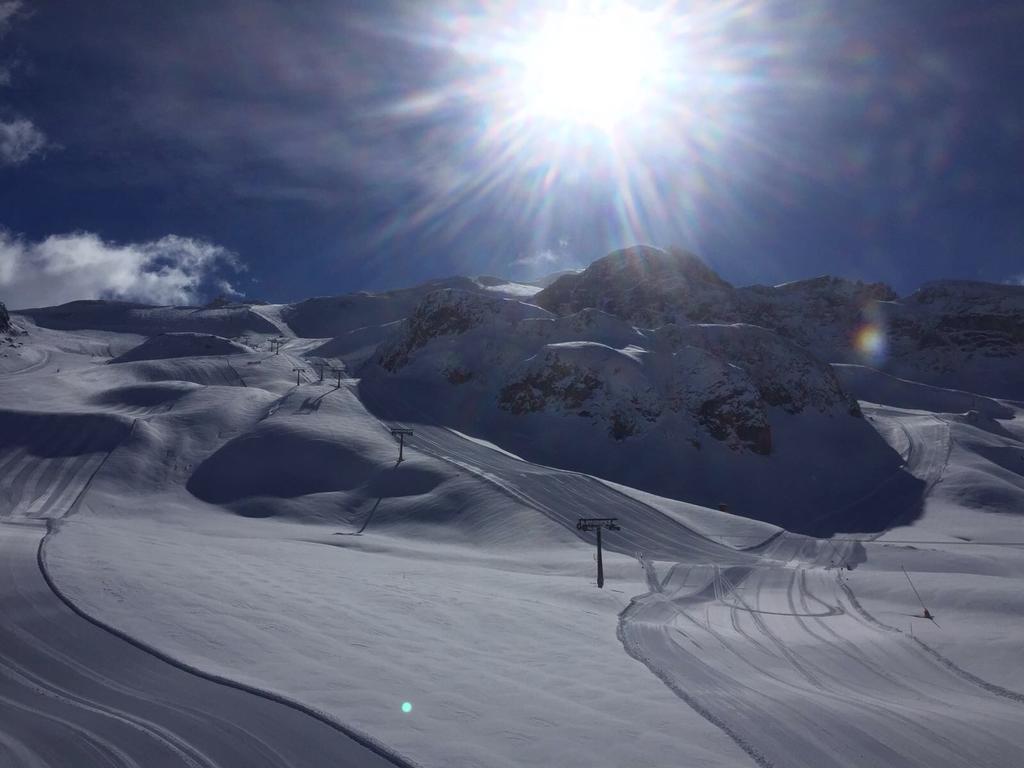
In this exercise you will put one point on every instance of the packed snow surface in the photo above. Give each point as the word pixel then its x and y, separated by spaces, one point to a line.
pixel 251 521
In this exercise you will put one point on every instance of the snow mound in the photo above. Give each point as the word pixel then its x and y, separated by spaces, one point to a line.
pixel 61 434
pixel 283 460
pixel 143 396
pixel 171 345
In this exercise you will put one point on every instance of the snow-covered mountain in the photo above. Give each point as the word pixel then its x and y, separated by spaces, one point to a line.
pixel 187 477
pixel 949 333
pixel 678 410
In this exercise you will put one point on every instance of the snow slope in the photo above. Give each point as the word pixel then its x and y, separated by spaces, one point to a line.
pixel 74 694
pixel 262 530
pixel 678 411
pixel 352 325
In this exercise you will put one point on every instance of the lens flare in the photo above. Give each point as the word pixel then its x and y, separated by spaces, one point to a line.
pixel 593 67
pixel 407 707
pixel 871 343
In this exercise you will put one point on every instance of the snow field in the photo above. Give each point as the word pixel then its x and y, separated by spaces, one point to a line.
pixel 285 548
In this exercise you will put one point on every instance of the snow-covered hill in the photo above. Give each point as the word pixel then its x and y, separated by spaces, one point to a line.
pixel 356 323
pixel 680 410
pixel 230 321
pixel 170 345
pixel 242 517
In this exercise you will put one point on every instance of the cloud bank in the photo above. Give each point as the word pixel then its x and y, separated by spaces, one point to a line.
pixel 61 268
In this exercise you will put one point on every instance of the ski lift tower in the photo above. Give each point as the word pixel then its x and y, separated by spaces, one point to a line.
pixel 401 434
pixel 596 524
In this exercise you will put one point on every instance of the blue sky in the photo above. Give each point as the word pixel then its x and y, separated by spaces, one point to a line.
pixel 283 150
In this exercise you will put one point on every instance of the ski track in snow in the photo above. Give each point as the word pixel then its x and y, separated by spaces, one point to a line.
pixel 73 693
pixel 833 685
pixel 765 643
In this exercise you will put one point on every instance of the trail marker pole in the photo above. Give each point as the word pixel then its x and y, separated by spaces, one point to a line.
pixel 298 373
pixel 401 433
pixel 597 524
pixel 927 613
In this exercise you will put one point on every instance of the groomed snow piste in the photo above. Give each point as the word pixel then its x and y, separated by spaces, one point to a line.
pixel 251 522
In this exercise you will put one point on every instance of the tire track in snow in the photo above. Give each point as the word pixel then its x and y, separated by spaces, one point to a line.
pixel 783 718
pixel 75 692
pixel 944 661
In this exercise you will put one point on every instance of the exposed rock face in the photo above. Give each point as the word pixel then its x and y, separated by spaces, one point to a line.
pixel 449 312
pixel 5 319
pixel 785 375
pixel 645 285
pixel 950 333
pixel 701 382
pixel 959 334
pixel 821 314
pixel 334 316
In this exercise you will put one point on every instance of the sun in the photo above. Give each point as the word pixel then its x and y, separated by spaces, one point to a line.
pixel 595 68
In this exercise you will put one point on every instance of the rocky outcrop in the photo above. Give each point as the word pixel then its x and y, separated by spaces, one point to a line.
pixel 951 333
pixel 645 285
pixel 448 312
pixel 822 314
pixel 702 382
pixel 705 412
pixel 5 319
pixel 786 375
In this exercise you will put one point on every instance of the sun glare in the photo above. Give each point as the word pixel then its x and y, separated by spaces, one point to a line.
pixel 595 68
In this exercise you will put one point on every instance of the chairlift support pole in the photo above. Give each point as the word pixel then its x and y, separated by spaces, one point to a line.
pixel 298 373
pixel 598 524
pixel 400 433
pixel 338 372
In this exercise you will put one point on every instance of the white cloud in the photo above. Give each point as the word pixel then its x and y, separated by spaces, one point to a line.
pixel 538 259
pixel 541 263
pixel 19 140
pixel 61 268
pixel 8 10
